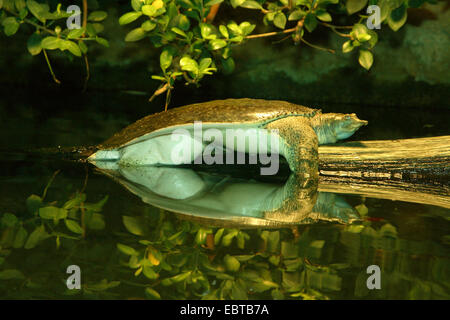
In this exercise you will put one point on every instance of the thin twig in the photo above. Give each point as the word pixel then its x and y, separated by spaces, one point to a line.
pixel 88 72
pixel 333 28
pixel 85 179
pixel 317 47
pixel 336 27
pixel 270 34
pixel 212 13
pixel 167 98
pixel 49 183
pixel 163 88
pixel 86 61
pixel 31 22
pixel 50 67
pixel 85 10
pixel 83 223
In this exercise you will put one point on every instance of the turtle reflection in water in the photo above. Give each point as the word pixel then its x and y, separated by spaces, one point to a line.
pixel 220 200
pixel 298 129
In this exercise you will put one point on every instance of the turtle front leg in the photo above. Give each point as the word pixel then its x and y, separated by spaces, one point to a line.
pixel 298 143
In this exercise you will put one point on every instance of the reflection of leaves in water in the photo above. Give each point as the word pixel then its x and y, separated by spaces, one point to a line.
pixel 162 256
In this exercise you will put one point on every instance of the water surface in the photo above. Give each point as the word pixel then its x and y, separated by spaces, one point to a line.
pixel 130 249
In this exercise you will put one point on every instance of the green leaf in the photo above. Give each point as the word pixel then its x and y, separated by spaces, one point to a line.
pixel 149 10
pixel 127 250
pixel 90 29
pixel 9 220
pixel 96 222
pixel 179 32
pixel 224 31
pixel 34 44
pixel 79 197
pixel 228 238
pixel 156 77
pixel 37 235
pixel 135 35
pixel 37 9
pixel 51 212
pixel 234 28
pixel 75 34
pixel 133 225
pixel 365 58
pixel 272 240
pixel 149 273
pixel 355 5
pixel 263 285
pixel 165 60
pixel 11 274
pixel 363 37
pixel 102 285
pixel 231 263
pixel 373 39
pixel 23 13
pixel 137 5
pixel 228 67
pixel 297 15
pixel 10 25
pixel 359 31
pixel 280 20
pixel 20 238
pixel 246 27
pixel 207 31
pixel 129 17
pixel 347 46
pixel 250 4
pixel 97 16
pixel 217 44
pixel 236 3
pixel 183 22
pixel 323 16
pixel 98 206
pixel 397 18
pixel 148 25
pixel 218 236
pixel 188 64
pixel 102 41
pixel 33 202
pixel 310 22
pixel 200 237
pixel 210 3
pixel 83 47
pixel 73 226
pixel 289 250
pixel 238 292
pixel 51 43
pixel 152 293
pixel 72 47
pixel 181 277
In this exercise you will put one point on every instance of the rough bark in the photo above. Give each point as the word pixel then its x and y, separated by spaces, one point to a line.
pixel 414 170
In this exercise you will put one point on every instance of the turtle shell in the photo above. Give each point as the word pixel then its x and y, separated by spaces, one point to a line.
pixel 229 111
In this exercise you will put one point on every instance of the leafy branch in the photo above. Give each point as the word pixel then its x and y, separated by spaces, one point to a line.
pixel 192 43
pixel 51 29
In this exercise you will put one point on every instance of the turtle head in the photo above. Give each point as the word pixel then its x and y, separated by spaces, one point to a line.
pixel 337 126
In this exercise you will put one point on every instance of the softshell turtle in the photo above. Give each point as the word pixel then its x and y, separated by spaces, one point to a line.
pixel 290 130
pixel 223 200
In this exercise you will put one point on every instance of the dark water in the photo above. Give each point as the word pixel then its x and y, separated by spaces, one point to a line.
pixel 128 249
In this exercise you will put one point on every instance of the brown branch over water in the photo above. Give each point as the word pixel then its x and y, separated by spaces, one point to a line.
pixel 414 170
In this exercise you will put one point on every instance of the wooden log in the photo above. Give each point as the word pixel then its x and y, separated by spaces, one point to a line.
pixel 414 170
